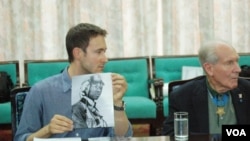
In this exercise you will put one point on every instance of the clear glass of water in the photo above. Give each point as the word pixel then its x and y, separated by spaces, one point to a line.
pixel 181 126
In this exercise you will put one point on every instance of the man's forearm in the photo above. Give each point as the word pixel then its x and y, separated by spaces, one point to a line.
pixel 121 123
pixel 42 133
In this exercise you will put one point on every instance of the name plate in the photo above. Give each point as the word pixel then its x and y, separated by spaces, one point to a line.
pixel 237 132
pixel 58 139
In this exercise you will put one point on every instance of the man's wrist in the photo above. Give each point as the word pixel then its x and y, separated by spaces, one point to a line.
pixel 120 108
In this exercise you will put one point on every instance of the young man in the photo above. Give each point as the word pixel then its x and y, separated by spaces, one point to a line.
pixel 47 110
pixel 220 97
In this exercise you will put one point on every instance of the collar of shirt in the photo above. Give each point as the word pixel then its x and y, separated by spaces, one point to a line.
pixel 66 80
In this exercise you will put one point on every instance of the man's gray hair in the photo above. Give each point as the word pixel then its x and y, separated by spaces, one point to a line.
pixel 207 51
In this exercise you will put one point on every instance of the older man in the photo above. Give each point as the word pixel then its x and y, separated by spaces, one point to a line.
pixel 220 97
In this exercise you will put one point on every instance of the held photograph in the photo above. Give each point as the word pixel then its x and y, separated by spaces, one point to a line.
pixel 92 101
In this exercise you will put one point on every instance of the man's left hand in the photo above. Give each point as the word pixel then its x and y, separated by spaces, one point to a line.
pixel 119 88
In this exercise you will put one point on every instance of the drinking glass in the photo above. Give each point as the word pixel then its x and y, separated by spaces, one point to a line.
pixel 181 126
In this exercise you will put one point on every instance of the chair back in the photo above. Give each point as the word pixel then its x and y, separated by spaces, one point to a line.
pixel 135 71
pixel 12 68
pixel 169 68
pixel 36 70
pixel 244 59
pixel 173 85
pixel 17 98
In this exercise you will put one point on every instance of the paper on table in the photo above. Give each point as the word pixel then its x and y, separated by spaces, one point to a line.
pixel 110 139
pixel 58 139
pixel 100 139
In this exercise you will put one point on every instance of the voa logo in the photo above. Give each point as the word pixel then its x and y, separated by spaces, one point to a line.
pixel 236 132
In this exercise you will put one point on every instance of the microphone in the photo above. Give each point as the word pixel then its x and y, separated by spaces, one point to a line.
pixel 240 97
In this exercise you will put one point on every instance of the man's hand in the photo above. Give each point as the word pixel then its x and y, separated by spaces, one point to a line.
pixel 60 124
pixel 119 88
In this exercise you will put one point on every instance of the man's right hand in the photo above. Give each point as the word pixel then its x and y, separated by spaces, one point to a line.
pixel 60 124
